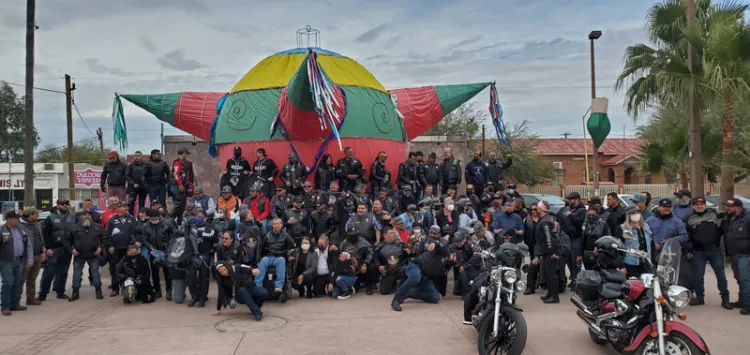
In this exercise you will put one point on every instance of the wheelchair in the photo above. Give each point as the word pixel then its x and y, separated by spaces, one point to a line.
pixel 270 286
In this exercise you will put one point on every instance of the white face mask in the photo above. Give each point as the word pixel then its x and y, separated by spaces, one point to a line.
pixel 451 207
pixel 417 231
pixel 635 217
pixel 305 247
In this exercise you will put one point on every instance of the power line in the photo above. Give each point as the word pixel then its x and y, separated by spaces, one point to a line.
pixel 34 87
pixel 81 117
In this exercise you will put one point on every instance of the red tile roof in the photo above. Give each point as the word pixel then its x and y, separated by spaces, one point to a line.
pixel 612 146
pixel 617 159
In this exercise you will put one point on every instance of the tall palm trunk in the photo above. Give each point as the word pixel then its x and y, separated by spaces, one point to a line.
pixel 727 127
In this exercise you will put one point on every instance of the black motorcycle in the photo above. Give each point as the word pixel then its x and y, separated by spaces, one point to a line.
pixel 499 321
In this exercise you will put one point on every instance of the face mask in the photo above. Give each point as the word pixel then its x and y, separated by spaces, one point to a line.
pixel 592 217
pixel 87 223
pixel 417 231
pixel 469 192
pixel 220 217
pixel 510 191
pixel 353 238
pixel 132 257
pixel 407 193
pixel 321 247
pixel 305 247
pixel 684 201
pixel 144 219
pixel 200 220
pixel 636 217
pixel 154 222
pixel 451 208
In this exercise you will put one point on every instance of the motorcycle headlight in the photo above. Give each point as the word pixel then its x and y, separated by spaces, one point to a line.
pixel 510 276
pixel 521 285
pixel 496 275
pixel 679 296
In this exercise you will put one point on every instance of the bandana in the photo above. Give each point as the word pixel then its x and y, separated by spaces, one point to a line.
pixel 542 207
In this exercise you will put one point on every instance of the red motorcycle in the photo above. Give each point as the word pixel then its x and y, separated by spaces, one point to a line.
pixel 637 316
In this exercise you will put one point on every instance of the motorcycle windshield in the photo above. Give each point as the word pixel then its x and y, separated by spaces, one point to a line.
pixel 668 268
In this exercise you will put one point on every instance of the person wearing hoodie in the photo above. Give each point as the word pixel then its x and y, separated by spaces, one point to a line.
pixel 236 174
pixel 549 246
pixel 636 234
pixel 86 242
pixel 704 228
pixel 422 271
pixel 236 282
pixel 55 229
pixel 135 176
pixel 155 236
pixel 380 177
pixel 113 178
pixel 390 259
pixel 325 174
pixel 119 233
pixel 156 176
pixel 30 221
pixel 665 225
pixel 496 168
pixel 684 207
pixel 477 173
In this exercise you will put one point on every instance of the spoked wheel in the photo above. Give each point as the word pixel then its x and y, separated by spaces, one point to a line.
pixel 675 344
pixel 511 339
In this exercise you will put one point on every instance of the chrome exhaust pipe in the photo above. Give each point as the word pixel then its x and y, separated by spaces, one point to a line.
pixel 578 303
pixel 591 323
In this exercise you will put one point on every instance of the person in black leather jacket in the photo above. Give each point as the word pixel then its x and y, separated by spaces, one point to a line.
pixel 325 174
pixel 380 177
pixel 249 235
pixel 422 272
pixel 156 235
pixel 349 170
pixel 450 171
pixel 704 233
pixel 322 220
pixel 273 250
pixel 293 175
pixel 113 178
pixel 298 220
pixel 572 220
pixel 203 238
pixel 86 242
pixel 156 176
pixel 135 266
pixel 236 282
pixel 229 249
pixel 390 259
pixel 361 252
pixel 55 229
pixel 408 173
pixel 302 259
pixel 136 182
pixel 548 243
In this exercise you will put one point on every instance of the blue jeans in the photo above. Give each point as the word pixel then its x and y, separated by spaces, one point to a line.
pixel 55 269
pixel 741 270
pixel 417 286
pixel 178 287
pixel 159 193
pixel 78 264
pixel 716 259
pixel 342 284
pixel 279 263
pixel 11 273
pixel 253 297
pixel 575 250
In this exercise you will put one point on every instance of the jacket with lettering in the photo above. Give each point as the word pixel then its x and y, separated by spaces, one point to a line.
pixel 390 255
pixel 477 172
pixel 121 231
pixel 349 166
pixel 295 174
pixel 547 238
pixel 249 235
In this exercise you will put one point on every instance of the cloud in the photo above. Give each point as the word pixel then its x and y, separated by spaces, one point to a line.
pixel 95 66
pixel 371 34
pixel 538 57
pixel 176 60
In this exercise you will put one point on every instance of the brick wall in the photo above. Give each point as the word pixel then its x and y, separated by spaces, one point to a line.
pixel 207 169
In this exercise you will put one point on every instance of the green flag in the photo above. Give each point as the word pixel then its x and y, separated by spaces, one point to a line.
pixel 598 123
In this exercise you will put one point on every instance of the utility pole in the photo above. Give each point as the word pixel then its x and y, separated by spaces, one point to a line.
pixel 69 113
pixel 28 127
pixel 594 35
pixel 694 119
pixel 100 136
pixel 484 150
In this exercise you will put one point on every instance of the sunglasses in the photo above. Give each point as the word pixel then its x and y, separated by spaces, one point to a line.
pixel 112 158
pixel 227 238
pixel 534 209
pixel 308 186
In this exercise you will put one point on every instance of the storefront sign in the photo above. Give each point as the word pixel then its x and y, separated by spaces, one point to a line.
pixel 15 182
pixel 87 178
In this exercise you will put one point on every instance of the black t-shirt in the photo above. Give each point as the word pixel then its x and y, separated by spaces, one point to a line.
pixel 301 263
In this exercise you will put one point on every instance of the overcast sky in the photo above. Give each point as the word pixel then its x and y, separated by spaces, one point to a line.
pixel 536 50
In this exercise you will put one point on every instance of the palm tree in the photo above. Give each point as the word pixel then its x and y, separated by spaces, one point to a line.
pixel 725 55
pixel 661 73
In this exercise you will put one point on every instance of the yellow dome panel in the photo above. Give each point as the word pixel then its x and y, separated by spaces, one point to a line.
pixel 276 71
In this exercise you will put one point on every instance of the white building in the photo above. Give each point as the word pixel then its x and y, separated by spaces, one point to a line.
pixel 50 183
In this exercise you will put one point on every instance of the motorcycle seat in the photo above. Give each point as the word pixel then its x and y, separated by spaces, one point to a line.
pixel 610 290
pixel 613 276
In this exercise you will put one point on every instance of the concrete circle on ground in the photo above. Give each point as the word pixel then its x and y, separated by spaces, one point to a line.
pixel 249 324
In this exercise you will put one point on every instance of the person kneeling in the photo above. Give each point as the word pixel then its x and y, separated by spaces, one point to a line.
pixel 343 279
pixel 236 285
pixel 420 273
pixel 135 274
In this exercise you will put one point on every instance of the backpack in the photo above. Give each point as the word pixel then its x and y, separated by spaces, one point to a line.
pixel 176 251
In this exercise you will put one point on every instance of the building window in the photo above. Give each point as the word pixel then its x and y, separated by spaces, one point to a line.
pixel 611 175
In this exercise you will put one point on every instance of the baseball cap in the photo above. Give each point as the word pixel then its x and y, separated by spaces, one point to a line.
pixel 733 202
pixel 82 212
pixel 352 230
pixel 299 199
pixel 29 211
pixel 122 203
pixel 112 153
pixel 509 203
pixel 573 195
pixel 11 215
pixel 412 208
pixel 183 150
pixel 684 193
pixel 665 202
pixel 699 200
pixel 153 202
pixel 638 198
pixel 237 148
pixel 155 151
pixel 226 189
pixel 63 201
pixel 397 220
pixel 434 229
pixel 198 190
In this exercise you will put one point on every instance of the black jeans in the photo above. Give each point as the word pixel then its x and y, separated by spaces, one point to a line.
pixel 139 193
pixel 114 259
pixel 389 282
pixel 369 279
pixel 549 268
pixel 157 280
pixel 198 280
pixel 462 286
pixel 158 192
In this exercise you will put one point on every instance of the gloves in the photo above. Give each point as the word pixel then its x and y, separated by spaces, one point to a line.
pixel 103 188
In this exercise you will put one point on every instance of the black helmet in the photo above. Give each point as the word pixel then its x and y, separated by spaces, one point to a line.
pixel 510 255
pixel 609 256
pixel 257 186
pixel 460 236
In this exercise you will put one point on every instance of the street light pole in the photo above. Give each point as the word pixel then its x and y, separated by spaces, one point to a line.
pixel 694 120
pixel 594 35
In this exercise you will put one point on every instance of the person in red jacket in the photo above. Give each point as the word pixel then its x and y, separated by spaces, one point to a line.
pixel 111 211
pixel 260 206
pixel 184 182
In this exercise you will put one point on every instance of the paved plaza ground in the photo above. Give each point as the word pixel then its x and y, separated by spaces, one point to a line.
pixel 361 325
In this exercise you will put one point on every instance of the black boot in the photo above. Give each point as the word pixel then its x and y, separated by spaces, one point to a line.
pixel 697 301
pixel 157 294
pixel 308 292
pixel 551 300
pixel 725 303
pixel 74 296
pixel 99 294
pixel 529 292
pixel 114 293
pixel 396 305
pixel 168 296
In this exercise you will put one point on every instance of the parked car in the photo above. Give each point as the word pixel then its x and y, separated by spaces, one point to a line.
pixel 555 202
pixel 655 202
pixel 714 200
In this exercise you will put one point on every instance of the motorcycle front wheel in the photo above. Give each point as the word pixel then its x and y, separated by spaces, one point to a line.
pixel 675 344
pixel 512 337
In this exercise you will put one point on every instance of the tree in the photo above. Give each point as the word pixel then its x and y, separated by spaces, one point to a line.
pixel 528 167
pixel 83 152
pixel 12 114
pixel 463 121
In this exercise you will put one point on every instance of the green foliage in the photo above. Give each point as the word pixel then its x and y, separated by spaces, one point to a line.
pixel 84 152
pixel 528 167
pixel 465 121
pixel 12 114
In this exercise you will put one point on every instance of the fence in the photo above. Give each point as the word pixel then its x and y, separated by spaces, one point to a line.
pixel 656 190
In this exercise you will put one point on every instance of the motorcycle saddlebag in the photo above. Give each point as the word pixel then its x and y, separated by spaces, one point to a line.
pixel 587 285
